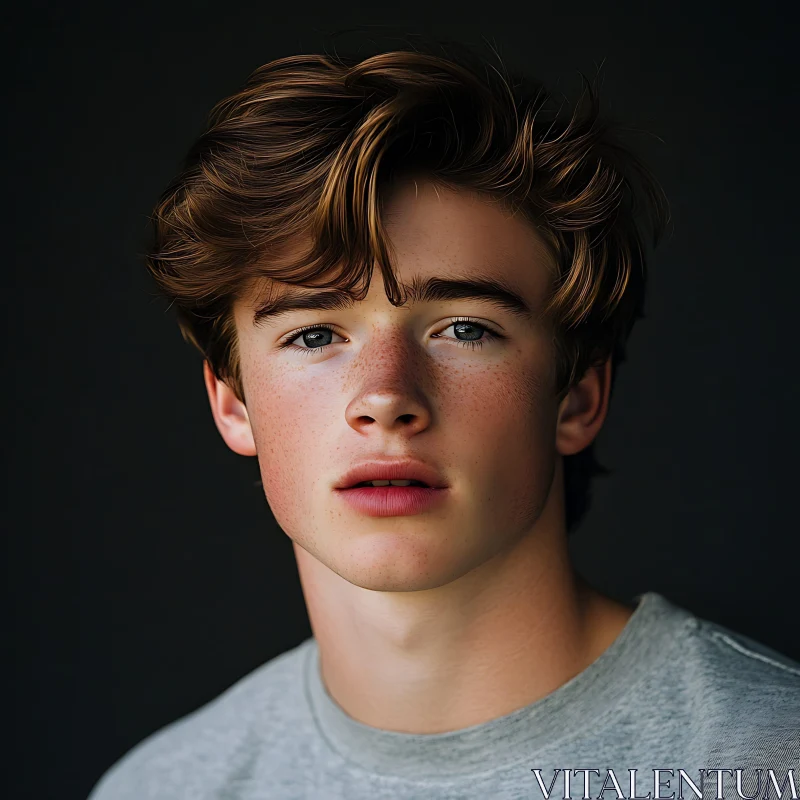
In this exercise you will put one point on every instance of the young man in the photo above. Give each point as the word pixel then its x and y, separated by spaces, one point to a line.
pixel 412 280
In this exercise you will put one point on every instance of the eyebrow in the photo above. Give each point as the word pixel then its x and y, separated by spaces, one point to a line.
pixel 428 290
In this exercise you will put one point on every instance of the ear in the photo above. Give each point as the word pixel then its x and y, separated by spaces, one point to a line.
pixel 583 411
pixel 230 414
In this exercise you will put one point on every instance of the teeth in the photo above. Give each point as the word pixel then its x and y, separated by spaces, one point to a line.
pixel 392 483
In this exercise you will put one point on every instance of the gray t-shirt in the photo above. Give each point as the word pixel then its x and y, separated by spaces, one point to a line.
pixel 672 692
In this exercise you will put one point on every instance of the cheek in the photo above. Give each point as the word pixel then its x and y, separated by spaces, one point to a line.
pixel 289 422
pixel 502 410
pixel 502 422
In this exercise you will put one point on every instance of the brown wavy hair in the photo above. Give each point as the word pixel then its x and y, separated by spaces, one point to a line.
pixel 308 147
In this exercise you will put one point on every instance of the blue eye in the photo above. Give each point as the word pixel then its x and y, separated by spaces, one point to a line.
pixel 317 338
pixel 469 333
pixel 314 337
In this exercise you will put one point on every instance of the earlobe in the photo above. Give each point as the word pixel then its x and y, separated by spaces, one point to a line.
pixel 230 414
pixel 583 411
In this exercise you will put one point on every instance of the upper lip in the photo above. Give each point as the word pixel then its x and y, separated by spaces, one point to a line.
pixel 395 469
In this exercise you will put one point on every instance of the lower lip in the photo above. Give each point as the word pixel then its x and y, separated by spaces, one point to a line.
pixel 392 501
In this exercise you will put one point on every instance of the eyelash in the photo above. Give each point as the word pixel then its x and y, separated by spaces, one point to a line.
pixel 491 335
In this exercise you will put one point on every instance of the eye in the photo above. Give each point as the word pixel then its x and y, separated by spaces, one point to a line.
pixel 469 332
pixel 311 337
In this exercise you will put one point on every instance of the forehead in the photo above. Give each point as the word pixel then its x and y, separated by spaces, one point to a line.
pixel 440 229
pixel 441 232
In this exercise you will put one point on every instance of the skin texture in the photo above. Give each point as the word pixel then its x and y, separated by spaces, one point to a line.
pixel 446 619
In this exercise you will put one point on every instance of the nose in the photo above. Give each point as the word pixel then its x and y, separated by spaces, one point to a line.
pixel 392 409
pixel 390 399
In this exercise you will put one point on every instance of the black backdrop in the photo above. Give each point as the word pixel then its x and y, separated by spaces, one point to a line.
pixel 146 572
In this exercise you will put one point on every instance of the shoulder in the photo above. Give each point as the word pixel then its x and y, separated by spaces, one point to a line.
pixel 734 663
pixel 744 696
pixel 189 756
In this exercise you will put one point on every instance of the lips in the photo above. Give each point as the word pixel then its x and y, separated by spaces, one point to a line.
pixel 391 470
pixel 393 501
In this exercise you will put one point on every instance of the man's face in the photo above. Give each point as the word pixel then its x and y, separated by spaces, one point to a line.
pixel 411 382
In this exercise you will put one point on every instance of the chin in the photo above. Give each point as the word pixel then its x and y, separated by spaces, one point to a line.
pixel 402 563
pixel 396 582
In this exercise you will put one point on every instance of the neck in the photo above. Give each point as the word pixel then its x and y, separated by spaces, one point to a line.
pixel 496 639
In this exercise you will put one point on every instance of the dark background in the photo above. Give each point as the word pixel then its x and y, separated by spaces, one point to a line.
pixel 146 572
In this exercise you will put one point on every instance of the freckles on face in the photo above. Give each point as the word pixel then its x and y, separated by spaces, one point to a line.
pixel 500 419
pixel 505 412
pixel 290 417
